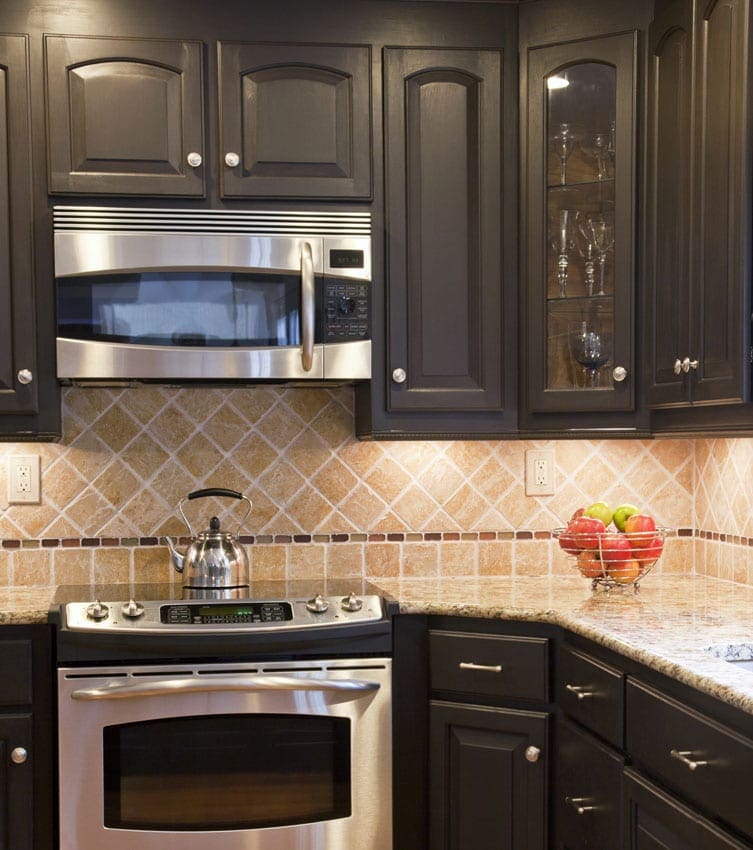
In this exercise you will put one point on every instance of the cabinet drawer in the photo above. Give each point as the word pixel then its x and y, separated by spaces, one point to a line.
pixel 489 665
pixel 15 672
pixel 593 693
pixel 589 790
pixel 707 763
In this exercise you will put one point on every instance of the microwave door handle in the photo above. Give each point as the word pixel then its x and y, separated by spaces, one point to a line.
pixel 171 687
pixel 308 307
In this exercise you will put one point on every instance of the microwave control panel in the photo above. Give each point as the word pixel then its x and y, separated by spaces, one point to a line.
pixel 346 311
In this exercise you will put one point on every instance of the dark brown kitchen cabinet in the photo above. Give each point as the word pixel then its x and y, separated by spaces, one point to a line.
pixel 449 203
pixel 295 120
pixel 26 807
pixel 698 210
pixel 488 778
pixel 18 331
pixel 657 821
pixel 580 225
pixel 125 116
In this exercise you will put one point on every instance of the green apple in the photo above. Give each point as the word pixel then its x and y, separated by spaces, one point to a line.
pixel 621 513
pixel 599 510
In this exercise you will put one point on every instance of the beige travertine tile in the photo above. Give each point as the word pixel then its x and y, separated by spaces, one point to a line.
pixel 268 563
pixel 420 560
pixel 531 558
pixel 33 568
pixel 388 479
pixel 308 510
pixel 458 559
pixel 495 558
pixel 72 566
pixel 306 561
pixel 200 457
pixel 115 428
pixel 111 564
pixel 382 559
pixel 173 426
pixel 344 560
pixel 414 508
pixel 152 564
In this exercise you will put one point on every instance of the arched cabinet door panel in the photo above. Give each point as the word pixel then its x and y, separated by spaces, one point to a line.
pixel 124 116
pixel 295 120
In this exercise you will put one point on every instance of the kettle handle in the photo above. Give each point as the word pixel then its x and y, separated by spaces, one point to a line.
pixel 215 491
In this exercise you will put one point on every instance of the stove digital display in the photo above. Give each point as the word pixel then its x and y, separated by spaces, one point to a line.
pixel 223 613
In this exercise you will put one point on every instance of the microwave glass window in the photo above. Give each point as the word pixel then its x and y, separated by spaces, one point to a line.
pixel 204 309
pixel 220 772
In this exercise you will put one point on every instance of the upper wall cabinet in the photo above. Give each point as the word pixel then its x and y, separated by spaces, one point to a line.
pixel 447 346
pixel 295 120
pixel 698 249
pixel 579 290
pixel 18 373
pixel 124 116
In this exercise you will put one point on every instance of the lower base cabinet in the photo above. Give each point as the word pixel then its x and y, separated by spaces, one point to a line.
pixel 16 782
pixel 488 769
pixel 656 821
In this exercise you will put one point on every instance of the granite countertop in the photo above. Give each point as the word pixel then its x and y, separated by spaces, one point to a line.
pixel 668 625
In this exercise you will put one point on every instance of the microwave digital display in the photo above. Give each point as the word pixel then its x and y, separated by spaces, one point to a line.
pixel 345 259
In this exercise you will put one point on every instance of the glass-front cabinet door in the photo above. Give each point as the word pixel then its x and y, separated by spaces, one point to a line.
pixel 579 282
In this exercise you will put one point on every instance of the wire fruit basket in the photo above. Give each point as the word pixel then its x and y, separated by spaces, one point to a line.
pixel 613 559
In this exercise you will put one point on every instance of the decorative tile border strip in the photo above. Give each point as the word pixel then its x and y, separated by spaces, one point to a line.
pixel 350 537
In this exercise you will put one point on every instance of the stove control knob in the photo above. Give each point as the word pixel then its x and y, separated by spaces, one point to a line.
pixel 317 605
pixel 132 609
pixel 97 611
pixel 352 603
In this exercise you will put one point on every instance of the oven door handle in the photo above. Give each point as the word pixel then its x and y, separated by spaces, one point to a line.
pixel 170 687
pixel 308 308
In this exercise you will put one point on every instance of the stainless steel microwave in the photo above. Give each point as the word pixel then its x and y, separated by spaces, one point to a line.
pixel 186 295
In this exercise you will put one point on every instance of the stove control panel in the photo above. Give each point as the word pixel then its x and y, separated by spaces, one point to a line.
pixel 221 615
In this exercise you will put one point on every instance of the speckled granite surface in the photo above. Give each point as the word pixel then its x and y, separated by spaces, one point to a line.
pixel 669 625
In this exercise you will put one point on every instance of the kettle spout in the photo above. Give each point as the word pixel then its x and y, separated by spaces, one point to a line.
pixel 175 555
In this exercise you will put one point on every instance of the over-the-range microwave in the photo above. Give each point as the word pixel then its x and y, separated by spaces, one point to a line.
pixel 184 295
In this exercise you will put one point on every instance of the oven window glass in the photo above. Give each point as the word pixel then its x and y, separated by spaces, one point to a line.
pixel 237 771
pixel 182 308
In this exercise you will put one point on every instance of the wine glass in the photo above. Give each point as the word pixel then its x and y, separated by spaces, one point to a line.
pixel 585 247
pixel 597 144
pixel 562 143
pixel 601 226
pixel 562 243
pixel 591 350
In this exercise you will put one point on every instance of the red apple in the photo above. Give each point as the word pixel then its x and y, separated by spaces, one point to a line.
pixel 577 513
pixel 567 542
pixel 625 572
pixel 648 552
pixel 589 564
pixel 586 531
pixel 639 528
pixel 615 548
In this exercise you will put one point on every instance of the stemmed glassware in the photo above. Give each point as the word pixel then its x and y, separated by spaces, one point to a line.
pixel 597 145
pixel 584 244
pixel 562 244
pixel 563 142
pixel 591 350
pixel 601 226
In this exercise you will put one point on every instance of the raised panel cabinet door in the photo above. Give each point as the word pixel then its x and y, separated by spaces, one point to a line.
pixel 295 120
pixel 18 387
pixel 669 201
pixel 124 116
pixel 16 783
pixel 488 769
pixel 444 197
pixel 656 821
pixel 721 244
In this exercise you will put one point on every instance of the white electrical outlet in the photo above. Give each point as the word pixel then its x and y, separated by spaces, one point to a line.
pixel 23 480
pixel 540 472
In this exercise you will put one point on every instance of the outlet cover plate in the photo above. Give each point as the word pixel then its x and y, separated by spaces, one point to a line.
pixel 540 472
pixel 23 480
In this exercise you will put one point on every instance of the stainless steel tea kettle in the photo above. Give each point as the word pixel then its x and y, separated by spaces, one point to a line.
pixel 214 558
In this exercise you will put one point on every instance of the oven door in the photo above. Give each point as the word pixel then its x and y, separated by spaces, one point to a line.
pixel 280 756
pixel 188 306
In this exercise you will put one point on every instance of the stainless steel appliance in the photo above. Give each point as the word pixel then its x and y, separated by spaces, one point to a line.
pixel 242 725
pixel 212 295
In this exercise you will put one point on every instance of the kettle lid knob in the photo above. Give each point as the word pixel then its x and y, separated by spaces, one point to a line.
pixel 214 523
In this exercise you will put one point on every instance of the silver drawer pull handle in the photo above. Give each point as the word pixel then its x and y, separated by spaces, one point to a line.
pixel 578 691
pixel 682 755
pixel 487 668
pixel 577 804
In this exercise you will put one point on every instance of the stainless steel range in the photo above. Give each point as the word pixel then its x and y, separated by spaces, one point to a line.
pixel 243 724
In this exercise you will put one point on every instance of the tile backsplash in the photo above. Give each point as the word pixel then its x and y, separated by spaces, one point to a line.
pixel 328 505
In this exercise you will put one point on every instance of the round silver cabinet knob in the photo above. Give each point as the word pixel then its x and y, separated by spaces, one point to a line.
pixel 351 603
pixel 18 755
pixel 532 754
pixel 25 376
pixel 194 159
pixel 97 611
pixel 619 373
pixel 132 609
pixel 678 366
pixel 691 364
pixel 317 605
pixel 232 159
pixel 399 376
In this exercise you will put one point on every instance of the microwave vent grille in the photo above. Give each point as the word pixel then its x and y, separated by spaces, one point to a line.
pixel 269 222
